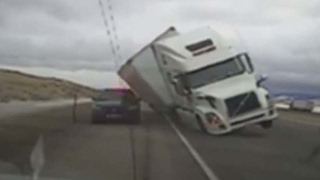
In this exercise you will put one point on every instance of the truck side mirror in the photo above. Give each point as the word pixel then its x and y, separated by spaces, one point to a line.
pixel 261 79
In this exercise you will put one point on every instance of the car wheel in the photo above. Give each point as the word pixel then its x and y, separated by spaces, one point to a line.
pixel 266 124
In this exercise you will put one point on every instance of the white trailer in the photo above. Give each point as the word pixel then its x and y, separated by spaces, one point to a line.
pixel 199 76
pixel 143 74
pixel 302 105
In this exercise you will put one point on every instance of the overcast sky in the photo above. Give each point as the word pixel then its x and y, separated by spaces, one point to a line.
pixel 67 38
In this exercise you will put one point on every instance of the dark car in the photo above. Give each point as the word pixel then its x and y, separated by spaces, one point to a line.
pixel 116 105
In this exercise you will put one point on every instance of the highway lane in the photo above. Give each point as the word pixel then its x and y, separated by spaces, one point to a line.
pixel 86 151
pixel 301 117
pixel 19 133
pixel 15 108
pixel 289 150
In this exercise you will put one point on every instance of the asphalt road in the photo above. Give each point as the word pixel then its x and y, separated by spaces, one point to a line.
pixel 289 150
pixel 152 150
pixel 82 151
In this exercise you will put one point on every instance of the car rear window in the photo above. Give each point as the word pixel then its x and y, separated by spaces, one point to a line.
pixel 123 95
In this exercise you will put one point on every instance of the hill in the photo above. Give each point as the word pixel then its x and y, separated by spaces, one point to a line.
pixel 15 85
pixel 298 96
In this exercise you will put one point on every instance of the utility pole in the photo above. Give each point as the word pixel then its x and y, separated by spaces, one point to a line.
pixel 74 108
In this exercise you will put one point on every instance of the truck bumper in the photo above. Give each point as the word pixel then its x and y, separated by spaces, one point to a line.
pixel 238 122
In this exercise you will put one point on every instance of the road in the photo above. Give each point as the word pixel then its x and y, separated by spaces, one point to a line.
pixel 152 150
pixel 289 150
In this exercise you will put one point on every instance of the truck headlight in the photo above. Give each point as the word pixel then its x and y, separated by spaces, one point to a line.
pixel 215 120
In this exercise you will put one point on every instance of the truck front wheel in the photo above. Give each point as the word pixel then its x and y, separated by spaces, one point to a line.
pixel 266 124
pixel 200 124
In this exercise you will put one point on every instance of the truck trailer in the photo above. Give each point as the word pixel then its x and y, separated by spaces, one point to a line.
pixel 302 105
pixel 202 79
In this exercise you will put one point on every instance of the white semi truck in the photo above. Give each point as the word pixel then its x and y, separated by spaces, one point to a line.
pixel 201 78
pixel 302 105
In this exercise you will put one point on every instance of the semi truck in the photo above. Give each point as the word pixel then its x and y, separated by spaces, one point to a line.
pixel 202 79
pixel 302 105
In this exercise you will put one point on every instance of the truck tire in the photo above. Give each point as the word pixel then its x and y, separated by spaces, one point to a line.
pixel 201 125
pixel 266 124
pixel 136 119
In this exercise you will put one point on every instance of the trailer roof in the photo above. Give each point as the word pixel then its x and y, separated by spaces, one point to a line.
pixel 146 46
pixel 186 44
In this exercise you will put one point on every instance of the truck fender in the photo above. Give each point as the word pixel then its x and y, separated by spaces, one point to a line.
pixel 202 122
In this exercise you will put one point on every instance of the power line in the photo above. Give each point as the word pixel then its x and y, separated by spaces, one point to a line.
pixel 115 32
pixel 108 33
pixel 111 31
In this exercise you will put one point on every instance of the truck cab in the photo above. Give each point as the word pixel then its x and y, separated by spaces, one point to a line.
pixel 211 84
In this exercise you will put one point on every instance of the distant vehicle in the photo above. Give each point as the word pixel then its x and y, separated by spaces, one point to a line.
pixel 116 105
pixel 302 105
pixel 283 99
pixel 201 78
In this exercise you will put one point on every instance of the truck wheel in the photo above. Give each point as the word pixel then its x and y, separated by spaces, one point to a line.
pixel 266 124
pixel 200 124
pixel 136 118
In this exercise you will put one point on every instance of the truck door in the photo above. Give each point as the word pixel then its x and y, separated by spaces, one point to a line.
pixel 180 95
pixel 183 100
pixel 167 68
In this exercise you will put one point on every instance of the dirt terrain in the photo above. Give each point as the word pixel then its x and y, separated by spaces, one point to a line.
pixel 15 85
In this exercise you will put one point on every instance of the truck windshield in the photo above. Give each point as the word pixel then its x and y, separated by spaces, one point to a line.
pixel 214 73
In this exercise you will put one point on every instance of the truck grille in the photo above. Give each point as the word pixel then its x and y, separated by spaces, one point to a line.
pixel 249 100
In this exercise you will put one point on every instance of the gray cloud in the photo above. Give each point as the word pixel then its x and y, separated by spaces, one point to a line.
pixel 287 52
pixel 63 10
pixel 281 35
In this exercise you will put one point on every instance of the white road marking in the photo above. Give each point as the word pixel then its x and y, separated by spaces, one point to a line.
pixel 203 165
pixel 302 122
pixel 37 158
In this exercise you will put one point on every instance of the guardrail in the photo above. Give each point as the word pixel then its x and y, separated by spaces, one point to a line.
pixel 15 108
pixel 284 106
